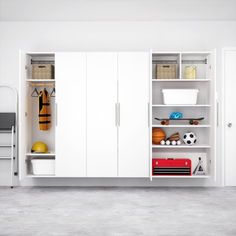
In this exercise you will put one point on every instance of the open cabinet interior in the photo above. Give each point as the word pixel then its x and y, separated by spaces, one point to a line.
pixel 40 114
pixel 187 96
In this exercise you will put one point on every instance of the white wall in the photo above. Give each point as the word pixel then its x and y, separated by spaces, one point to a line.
pixel 114 10
pixel 110 36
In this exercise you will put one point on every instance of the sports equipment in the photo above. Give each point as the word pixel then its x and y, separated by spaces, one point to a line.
pixel 176 115
pixel 158 135
pixel 192 121
pixel 189 138
pixel 39 147
pixel 44 110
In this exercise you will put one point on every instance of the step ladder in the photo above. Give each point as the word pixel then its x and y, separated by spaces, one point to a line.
pixel 8 125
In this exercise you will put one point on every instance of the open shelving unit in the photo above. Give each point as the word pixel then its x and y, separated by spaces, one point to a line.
pixel 32 131
pixel 204 81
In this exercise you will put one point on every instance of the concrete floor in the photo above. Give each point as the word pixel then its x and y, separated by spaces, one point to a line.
pixel 117 211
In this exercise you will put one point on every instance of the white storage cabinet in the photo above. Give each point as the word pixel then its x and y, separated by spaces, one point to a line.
pixel 104 109
pixel 99 115
pixel 180 95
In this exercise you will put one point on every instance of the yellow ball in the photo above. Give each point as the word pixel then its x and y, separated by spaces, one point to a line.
pixel 39 147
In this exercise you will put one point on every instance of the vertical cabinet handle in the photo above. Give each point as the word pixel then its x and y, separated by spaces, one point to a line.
pixel 118 114
pixel 56 116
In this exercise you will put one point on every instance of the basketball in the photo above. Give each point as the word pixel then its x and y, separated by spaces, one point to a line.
pixel 158 135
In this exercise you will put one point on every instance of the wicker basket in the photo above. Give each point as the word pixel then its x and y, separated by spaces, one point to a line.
pixel 166 71
pixel 42 71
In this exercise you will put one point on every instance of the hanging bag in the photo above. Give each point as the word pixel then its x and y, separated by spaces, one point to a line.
pixel 44 110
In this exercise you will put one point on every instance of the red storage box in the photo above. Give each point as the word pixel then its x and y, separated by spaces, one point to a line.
pixel 170 166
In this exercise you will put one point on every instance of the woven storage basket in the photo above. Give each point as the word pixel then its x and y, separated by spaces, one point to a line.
pixel 42 71
pixel 167 71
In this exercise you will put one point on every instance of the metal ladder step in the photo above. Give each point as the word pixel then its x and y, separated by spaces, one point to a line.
pixel 6 145
pixel 5 158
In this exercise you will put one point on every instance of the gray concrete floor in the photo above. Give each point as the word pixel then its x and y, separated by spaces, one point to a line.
pixel 117 211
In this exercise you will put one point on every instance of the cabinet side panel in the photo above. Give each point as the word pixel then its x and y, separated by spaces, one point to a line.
pixel 22 118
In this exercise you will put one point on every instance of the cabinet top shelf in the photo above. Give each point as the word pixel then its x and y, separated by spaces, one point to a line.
pixel 203 53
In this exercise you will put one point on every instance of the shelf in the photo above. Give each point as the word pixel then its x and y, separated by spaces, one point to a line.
pixel 180 146
pixel 40 154
pixel 182 126
pixel 41 176
pixel 181 80
pixel 41 80
pixel 41 54
pixel 198 105
pixel 182 176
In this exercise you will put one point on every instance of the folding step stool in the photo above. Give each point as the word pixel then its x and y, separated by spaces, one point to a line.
pixel 8 124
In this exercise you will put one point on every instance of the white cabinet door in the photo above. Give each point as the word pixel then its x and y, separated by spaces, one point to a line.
pixel 133 145
pixel 230 116
pixel 101 126
pixel 70 75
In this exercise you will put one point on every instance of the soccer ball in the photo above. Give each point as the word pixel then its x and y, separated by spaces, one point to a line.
pixel 189 138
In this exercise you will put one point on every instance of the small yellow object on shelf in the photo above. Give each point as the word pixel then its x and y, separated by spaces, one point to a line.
pixel 190 72
pixel 39 147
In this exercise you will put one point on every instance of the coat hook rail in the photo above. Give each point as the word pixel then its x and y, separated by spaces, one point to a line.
pixel 42 84
pixel 34 61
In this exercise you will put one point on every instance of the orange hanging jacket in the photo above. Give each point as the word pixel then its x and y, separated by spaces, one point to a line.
pixel 44 110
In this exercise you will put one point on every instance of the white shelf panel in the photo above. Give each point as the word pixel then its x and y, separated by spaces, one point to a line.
pixel 181 80
pixel 181 126
pixel 182 52
pixel 198 105
pixel 46 54
pixel 181 176
pixel 180 146
pixel 40 154
pixel 41 80
pixel 41 176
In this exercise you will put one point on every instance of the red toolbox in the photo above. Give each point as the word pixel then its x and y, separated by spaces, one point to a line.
pixel 171 166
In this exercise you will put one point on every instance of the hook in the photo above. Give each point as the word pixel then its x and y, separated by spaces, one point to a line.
pixel 52 94
pixel 35 91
